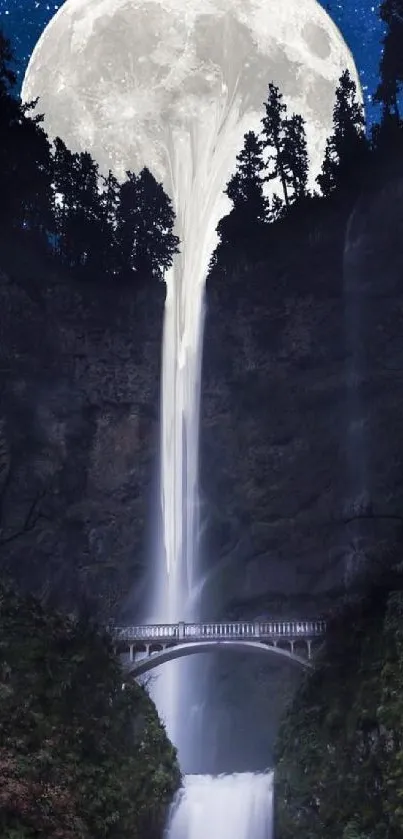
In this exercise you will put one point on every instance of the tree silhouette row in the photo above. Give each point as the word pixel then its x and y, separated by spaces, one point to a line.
pixel 96 226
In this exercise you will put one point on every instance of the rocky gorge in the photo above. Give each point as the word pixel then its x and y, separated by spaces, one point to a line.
pixel 301 460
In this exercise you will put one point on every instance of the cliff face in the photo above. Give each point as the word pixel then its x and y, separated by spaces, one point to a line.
pixel 79 417
pixel 301 452
pixel 302 387
pixel 300 433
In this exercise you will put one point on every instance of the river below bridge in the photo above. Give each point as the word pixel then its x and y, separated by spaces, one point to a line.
pixel 238 806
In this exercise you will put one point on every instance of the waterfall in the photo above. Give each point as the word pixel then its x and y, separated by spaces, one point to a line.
pixel 201 156
pixel 238 806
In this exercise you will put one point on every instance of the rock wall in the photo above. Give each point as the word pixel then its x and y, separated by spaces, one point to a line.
pixel 79 432
pixel 301 437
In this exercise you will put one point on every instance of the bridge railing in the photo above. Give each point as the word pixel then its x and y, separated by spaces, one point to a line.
pixel 186 632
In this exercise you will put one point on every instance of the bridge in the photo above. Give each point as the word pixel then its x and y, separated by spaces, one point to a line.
pixel 145 646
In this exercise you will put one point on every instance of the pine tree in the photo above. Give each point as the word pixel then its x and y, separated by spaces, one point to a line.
pixel 145 219
pixel 245 188
pixel 327 179
pixel 277 208
pixel 25 160
pixel 391 64
pixel 346 148
pixel 109 199
pixel 240 230
pixel 64 162
pixel 84 220
pixel 126 223
pixel 274 123
pixel 295 155
pixel 155 243
pixel 32 196
pixel 8 78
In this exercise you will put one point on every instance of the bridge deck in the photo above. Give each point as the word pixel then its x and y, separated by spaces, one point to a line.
pixel 236 630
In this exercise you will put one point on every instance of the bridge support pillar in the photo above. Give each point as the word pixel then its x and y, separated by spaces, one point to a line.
pixel 131 652
pixel 181 629
pixel 309 645
pixel 256 629
pixel 147 650
pixel 292 646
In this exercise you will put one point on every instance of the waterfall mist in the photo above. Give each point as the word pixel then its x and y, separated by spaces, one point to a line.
pixel 223 807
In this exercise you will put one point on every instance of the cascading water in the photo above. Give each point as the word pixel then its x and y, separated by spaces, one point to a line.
pixel 223 807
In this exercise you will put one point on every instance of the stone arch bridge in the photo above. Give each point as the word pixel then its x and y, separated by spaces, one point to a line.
pixel 144 647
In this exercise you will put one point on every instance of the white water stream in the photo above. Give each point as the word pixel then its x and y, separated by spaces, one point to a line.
pixel 235 806
pixel 200 145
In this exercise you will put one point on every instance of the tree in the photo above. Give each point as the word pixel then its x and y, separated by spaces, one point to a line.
pixel 145 243
pixel 295 155
pixel 25 171
pixel 64 162
pixel 241 230
pixel 274 133
pixel 109 199
pixel 83 224
pixel 391 63
pixel 34 199
pixel 155 243
pixel 8 78
pixel 346 148
pixel 245 188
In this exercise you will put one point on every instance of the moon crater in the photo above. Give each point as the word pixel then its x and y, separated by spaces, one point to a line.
pixel 317 40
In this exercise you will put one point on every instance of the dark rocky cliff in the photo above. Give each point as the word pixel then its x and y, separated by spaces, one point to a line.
pixel 303 387
pixel 301 439
pixel 79 430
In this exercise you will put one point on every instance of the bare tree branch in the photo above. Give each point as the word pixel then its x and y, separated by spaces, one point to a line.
pixel 32 517
pixel 373 517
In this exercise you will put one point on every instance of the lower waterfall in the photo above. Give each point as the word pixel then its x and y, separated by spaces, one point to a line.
pixel 238 806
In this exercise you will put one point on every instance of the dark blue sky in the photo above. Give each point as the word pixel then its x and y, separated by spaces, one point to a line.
pixel 24 20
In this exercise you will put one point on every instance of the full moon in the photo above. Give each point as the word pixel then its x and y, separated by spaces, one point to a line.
pixel 124 79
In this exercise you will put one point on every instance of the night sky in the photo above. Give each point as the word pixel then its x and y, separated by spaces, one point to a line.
pixel 358 20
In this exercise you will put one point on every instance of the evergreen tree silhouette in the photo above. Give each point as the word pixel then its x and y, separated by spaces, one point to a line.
pixel 32 203
pixel 274 133
pixel 25 157
pixel 84 220
pixel 346 148
pixel 145 243
pixel 391 63
pixel 64 162
pixel 295 155
pixel 126 224
pixel 8 78
pixel 155 243
pixel 245 188
pixel 109 199
pixel 243 226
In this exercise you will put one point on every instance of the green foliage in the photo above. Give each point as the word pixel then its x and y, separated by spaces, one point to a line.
pixel 339 751
pixel 80 756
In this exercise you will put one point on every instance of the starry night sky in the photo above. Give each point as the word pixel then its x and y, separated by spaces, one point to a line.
pixel 358 20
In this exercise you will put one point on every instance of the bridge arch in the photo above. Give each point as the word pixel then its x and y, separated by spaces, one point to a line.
pixel 144 665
